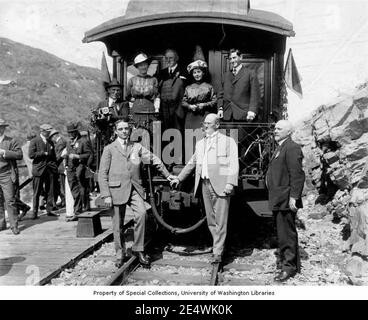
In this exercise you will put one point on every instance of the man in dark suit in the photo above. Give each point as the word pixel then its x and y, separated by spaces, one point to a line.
pixel 121 184
pixel 285 180
pixel 78 151
pixel 108 112
pixel 10 151
pixel 239 98
pixel 171 87
pixel 60 145
pixel 44 169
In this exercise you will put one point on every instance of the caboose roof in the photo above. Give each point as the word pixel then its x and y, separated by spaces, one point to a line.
pixel 145 13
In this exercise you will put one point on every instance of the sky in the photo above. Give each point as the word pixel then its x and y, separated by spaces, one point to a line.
pixel 330 46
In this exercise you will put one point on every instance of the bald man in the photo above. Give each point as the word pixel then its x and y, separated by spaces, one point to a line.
pixel 285 180
pixel 216 165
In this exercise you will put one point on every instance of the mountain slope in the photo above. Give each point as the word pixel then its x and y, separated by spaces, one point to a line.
pixel 37 87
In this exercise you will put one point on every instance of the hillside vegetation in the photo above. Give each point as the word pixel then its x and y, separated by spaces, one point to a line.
pixel 37 87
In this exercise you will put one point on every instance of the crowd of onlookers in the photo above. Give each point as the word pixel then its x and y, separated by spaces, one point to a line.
pixel 50 160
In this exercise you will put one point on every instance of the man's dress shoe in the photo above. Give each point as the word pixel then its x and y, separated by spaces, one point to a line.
pixel 23 213
pixel 53 214
pixel 143 260
pixel 216 258
pixel 284 275
pixel 15 230
pixel 71 218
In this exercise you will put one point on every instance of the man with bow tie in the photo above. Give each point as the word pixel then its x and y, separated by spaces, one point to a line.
pixel 285 180
pixel 216 165
pixel 121 185
pixel 78 152
pixel 239 97
pixel 44 169
pixel 171 87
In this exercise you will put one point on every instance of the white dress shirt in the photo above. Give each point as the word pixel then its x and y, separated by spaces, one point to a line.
pixel 208 141
pixel 123 143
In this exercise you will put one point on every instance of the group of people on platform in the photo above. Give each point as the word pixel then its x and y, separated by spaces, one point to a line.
pixel 215 159
pixel 181 98
pixel 50 159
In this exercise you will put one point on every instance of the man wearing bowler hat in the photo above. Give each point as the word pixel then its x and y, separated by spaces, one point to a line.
pixel 44 169
pixel 78 151
pixel 10 151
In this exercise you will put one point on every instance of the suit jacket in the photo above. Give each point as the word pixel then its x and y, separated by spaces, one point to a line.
pixel 41 162
pixel 178 86
pixel 83 148
pixel 120 170
pixel 13 152
pixel 285 176
pixel 239 94
pixel 223 164
pixel 60 145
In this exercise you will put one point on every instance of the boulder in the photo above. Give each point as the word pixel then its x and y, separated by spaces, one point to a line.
pixel 357 267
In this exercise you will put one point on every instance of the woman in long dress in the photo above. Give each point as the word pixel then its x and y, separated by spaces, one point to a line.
pixel 199 97
pixel 142 90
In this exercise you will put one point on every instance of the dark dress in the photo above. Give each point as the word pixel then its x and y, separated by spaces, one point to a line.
pixel 200 94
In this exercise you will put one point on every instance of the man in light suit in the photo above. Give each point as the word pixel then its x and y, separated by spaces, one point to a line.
pixel 121 184
pixel 216 165
pixel 285 180
pixel 239 98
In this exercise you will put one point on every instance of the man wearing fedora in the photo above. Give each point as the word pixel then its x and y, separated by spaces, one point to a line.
pixel 60 145
pixel 78 151
pixel 10 151
pixel 44 169
pixel 108 111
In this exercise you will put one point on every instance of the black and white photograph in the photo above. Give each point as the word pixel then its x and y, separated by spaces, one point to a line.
pixel 192 149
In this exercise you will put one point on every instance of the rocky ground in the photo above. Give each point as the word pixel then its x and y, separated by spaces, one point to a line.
pixel 323 254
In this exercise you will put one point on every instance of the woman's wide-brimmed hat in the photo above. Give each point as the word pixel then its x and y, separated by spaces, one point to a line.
pixel 197 64
pixel 142 57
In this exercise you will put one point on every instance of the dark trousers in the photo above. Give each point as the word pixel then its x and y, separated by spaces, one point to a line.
pixel 44 183
pixel 287 237
pixel 77 183
pixel 8 197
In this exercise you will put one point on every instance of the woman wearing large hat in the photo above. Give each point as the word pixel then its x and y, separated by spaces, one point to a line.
pixel 199 97
pixel 142 90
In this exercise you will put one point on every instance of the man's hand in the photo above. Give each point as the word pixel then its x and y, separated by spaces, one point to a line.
pixel 108 202
pixel 228 189
pixel 2 153
pixel 174 182
pixel 292 204
pixel 73 156
pixel 251 115
pixel 220 114
pixel 193 107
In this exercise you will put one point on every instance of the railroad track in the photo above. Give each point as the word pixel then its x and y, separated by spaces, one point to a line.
pixel 171 268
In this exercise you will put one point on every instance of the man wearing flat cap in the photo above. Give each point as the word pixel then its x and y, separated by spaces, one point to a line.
pixel 60 145
pixel 78 151
pixel 10 151
pixel 44 169
pixel 108 111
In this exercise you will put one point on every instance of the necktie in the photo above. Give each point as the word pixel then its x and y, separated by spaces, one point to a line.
pixel 234 72
pixel 125 145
